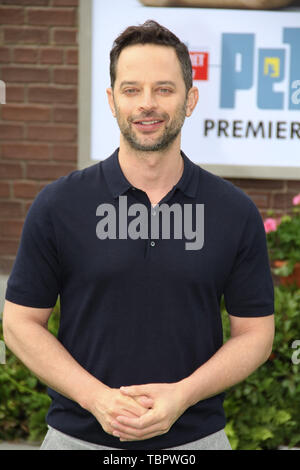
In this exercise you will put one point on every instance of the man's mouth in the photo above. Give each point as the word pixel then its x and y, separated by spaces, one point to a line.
pixel 148 122
pixel 148 125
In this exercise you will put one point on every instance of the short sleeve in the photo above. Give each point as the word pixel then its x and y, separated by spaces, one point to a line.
pixel 249 290
pixel 35 277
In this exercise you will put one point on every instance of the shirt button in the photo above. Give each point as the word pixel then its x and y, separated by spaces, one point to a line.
pixel 153 212
pixel 152 243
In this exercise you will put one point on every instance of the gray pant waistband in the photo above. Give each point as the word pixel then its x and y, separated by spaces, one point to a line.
pixel 56 440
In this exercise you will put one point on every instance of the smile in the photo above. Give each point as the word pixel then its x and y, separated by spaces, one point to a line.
pixel 148 125
pixel 148 122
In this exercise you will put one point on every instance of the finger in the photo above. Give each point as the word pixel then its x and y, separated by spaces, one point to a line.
pixel 139 435
pixel 133 406
pixel 127 413
pixel 147 402
pixel 128 433
pixel 134 390
pixel 144 421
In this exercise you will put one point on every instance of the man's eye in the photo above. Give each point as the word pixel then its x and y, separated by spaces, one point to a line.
pixel 165 91
pixel 130 91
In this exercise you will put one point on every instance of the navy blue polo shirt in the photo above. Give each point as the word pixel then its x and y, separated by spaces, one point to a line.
pixel 137 311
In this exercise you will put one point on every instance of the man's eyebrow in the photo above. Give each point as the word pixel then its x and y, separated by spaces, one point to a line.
pixel 166 82
pixel 160 82
pixel 127 83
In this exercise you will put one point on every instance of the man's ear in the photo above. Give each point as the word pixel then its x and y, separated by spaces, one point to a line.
pixel 192 100
pixel 111 102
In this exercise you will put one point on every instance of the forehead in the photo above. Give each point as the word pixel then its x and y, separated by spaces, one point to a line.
pixel 150 61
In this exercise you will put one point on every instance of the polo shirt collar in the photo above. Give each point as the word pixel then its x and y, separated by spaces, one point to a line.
pixel 118 184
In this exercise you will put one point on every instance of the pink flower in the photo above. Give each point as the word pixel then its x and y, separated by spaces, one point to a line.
pixel 270 225
pixel 296 200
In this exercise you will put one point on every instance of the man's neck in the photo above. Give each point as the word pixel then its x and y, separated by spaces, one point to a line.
pixel 153 172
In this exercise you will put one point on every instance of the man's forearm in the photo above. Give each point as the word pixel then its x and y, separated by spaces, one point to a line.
pixel 46 357
pixel 232 363
pixel 42 353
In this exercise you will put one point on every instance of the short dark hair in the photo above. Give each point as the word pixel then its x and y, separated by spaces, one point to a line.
pixel 151 32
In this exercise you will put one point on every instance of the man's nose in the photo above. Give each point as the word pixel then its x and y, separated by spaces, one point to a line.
pixel 148 101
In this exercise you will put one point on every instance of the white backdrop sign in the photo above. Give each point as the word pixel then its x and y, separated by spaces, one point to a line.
pixel 247 67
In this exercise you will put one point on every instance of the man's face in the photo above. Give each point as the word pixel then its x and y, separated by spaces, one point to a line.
pixel 149 97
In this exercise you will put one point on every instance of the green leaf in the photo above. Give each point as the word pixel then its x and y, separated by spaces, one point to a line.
pixel 282 417
pixel 262 434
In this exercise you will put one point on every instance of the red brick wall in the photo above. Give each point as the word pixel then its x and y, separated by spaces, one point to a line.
pixel 270 194
pixel 38 125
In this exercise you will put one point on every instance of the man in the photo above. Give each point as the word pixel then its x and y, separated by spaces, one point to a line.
pixel 139 361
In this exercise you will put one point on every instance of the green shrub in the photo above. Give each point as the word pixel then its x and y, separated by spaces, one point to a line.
pixel 23 398
pixel 262 411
